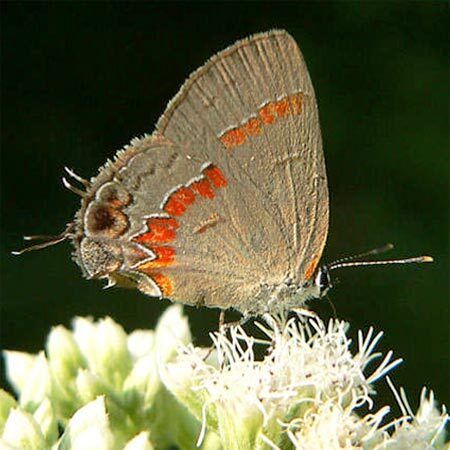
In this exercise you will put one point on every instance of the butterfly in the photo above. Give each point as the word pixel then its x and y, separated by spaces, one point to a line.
pixel 225 204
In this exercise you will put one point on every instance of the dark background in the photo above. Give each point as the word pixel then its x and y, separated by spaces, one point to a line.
pixel 79 80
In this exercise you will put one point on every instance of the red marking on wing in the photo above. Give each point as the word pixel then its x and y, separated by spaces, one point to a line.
pixel 164 283
pixel 238 136
pixel 161 230
pixel 233 138
pixel 167 222
pixel 252 127
pixel 268 114
pixel 282 107
pixel 166 254
pixel 203 187
pixel 174 207
pixel 311 269
pixel 216 176
pixel 185 195
pixel 179 200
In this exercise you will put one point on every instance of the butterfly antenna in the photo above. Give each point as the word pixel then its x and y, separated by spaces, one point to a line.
pixel 47 240
pixel 418 259
pixel 376 251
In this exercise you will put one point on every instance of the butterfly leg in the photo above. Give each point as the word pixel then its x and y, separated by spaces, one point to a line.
pixel 223 327
pixel 221 324
pixel 304 313
pixel 221 319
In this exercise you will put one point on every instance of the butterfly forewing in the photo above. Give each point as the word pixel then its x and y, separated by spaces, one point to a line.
pixel 251 110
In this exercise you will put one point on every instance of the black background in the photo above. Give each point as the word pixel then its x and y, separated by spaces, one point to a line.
pixel 79 80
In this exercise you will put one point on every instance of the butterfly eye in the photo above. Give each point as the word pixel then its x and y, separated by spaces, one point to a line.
pixel 323 280
pixel 104 221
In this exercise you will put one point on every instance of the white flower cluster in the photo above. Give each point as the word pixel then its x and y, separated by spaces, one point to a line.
pixel 98 388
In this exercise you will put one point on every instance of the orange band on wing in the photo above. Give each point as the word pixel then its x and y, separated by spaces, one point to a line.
pixel 164 283
pixel 163 230
pixel 179 200
pixel 216 176
pixel 160 231
pixel 282 107
pixel 267 115
pixel 233 138
pixel 252 127
pixel 203 187
pixel 309 272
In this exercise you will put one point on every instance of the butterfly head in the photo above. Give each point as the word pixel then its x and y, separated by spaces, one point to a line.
pixel 322 281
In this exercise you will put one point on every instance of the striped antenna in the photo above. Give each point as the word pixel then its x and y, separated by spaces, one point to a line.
pixel 350 261
pixel 376 251
pixel 47 241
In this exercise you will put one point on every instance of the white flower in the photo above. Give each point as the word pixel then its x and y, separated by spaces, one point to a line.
pixel 307 389
pixel 153 389
pixel 46 419
pixel 330 426
pixel 140 442
pixel 22 432
pixel 99 360
pixel 104 346
pixel 148 348
pixel 23 429
pixel 88 429
pixel 423 430
pixel 7 403
pixel 30 376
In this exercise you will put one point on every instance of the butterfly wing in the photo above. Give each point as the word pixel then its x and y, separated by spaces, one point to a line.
pixel 229 194
pixel 251 109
